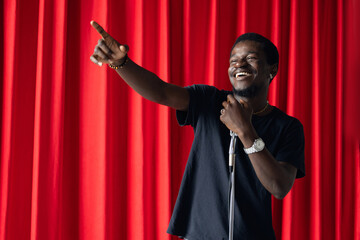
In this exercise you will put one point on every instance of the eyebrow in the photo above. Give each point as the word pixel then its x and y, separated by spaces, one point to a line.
pixel 251 52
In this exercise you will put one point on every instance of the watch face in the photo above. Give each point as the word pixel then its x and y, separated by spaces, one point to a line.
pixel 259 145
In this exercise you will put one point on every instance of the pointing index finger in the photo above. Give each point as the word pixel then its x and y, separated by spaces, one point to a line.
pixel 99 29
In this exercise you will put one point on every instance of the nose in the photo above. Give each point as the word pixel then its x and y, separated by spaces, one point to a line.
pixel 241 62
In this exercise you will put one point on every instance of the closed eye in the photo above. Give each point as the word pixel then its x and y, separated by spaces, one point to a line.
pixel 251 57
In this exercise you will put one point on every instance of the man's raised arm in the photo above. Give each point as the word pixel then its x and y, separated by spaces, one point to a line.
pixel 144 82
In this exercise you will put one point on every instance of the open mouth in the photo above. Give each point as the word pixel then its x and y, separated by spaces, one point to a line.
pixel 242 74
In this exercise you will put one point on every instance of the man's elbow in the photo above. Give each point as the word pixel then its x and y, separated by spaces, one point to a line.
pixel 280 195
pixel 281 190
pixel 283 185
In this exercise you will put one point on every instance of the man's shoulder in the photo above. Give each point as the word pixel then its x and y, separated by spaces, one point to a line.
pixel 286 119
pixel 206 90
pixel 202 87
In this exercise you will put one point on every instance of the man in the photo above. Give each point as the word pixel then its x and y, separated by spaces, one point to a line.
pixel 270 153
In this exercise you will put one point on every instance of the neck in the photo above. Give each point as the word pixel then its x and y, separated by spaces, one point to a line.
pixel 259 103
pixel 263 110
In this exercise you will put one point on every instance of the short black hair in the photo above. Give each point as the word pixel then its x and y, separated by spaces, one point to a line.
pixel 271 52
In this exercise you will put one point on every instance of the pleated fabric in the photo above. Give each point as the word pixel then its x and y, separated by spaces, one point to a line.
pixel 85 157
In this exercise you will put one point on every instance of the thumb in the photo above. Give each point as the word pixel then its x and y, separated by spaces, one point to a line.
pixel 245 104
pixel 124 48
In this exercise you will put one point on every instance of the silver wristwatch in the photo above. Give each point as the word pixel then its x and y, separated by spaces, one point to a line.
pixel 257 146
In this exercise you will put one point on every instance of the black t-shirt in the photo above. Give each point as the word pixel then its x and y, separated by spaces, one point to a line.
pixel 201 209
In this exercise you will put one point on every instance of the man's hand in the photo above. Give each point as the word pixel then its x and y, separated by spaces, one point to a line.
pixel 108 50
pixel 237 116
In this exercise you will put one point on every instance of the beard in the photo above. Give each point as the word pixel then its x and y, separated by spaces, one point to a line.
pixel 249 92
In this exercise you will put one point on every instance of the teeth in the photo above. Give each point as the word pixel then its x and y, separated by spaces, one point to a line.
pixel 240 74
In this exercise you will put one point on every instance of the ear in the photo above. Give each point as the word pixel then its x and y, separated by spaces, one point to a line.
pixel 274 69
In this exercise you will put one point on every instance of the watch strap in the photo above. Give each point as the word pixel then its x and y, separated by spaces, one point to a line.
pixel 257 146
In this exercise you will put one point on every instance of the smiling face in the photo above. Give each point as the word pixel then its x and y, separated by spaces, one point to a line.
pixel 249 72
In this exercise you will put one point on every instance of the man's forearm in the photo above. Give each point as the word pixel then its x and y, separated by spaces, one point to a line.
pixel 151 87
pixel 144 82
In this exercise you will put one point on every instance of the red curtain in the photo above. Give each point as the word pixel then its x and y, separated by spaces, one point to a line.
pixel 84 157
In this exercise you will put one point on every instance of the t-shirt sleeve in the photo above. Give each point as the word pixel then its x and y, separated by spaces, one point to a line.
pixel 199 94
pixel 292 148
pixel 187 117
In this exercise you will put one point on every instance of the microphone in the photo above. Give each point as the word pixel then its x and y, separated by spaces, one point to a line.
pixel 232 183
pixel 232 150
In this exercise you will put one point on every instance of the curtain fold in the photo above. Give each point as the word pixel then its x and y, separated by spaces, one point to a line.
pixel 83 156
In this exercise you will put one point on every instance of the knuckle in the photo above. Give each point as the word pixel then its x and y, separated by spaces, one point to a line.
pixel 96 50
pixel 99 53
